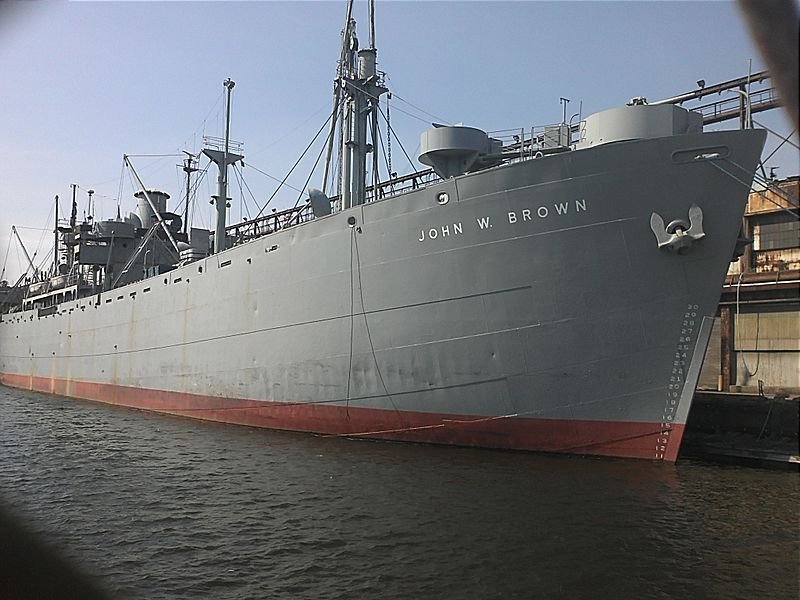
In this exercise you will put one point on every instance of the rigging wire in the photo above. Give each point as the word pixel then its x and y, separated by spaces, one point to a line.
pixel 352 321
pixel 783 141
pixel 770 185
pixel 199 180
pixel 44 260
pixel 438 119
pixel 286 135
pixel 202 127
pixel 208 194
pixel 41 239
pixel 179 179
pixel 388 138
pixel 737 330
pixel 153 156
pixel 244 181
pixel 180 207
pixel 405 112
pixel 19 263
pixel 130 180
pixel 5 260
pixel 374 97
pixel 95 194
pixel 239 179
pixel 310 174
pixel 410 162
pixel 390 180
pixel 297 162
pixel 749 187
pixel 338 167
pixel 121 184
pixel 241 194
pixel 366 326
pixel 778 135
pixel 250 166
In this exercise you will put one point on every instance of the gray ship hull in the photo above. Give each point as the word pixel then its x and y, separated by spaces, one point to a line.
pixel 532 310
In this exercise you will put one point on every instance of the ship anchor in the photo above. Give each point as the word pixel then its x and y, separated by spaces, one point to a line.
pixel 679 235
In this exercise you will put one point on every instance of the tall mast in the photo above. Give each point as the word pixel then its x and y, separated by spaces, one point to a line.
pixel 73 221
pixel 223 159
pixel 349 48
pixel 362 87
pixel 374 114
pixel 347 33
pixel 188 168
pixel 222 193
pixel 55 240
pixel 371 23
pixel 91 206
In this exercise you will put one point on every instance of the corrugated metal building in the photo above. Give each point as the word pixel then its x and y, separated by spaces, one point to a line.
pixel 755 345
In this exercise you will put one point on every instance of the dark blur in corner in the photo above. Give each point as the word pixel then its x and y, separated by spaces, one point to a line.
pixel 774 26
pixel 29 570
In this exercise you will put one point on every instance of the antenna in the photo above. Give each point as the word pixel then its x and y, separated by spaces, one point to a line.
pixel 188 168
pixel 564 104
pixel 91 213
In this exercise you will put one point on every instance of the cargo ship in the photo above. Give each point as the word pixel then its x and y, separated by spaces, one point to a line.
pixel 550 292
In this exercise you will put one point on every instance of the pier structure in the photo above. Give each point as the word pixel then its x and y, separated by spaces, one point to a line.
pixel 755 344
pixel 743 97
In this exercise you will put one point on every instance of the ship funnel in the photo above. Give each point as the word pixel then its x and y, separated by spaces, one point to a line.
pixel 143 209
pixel 453 151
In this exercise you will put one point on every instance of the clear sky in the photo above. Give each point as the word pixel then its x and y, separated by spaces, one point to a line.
pixel 85 82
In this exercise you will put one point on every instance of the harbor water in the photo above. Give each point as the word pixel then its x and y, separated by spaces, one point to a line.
pixel 160 507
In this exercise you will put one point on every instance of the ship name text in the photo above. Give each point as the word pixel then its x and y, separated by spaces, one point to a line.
pixel 512 217
pixel 441 231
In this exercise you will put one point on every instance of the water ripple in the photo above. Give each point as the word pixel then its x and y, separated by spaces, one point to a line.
pixel 156 507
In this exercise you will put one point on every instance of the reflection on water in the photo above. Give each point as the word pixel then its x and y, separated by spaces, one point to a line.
pixel 157 507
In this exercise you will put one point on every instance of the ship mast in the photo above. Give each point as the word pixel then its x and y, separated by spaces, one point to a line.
pixel 223 158
pixel 73 221
pixel 359 87
pixel 55 244
pixel 337 92
pixel 188 168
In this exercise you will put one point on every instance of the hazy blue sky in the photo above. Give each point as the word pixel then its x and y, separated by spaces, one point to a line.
pixel 85 82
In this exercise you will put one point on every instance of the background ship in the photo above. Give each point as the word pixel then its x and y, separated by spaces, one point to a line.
pixel 554 293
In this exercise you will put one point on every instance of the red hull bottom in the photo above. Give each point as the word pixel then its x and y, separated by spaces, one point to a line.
pixel 606 438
